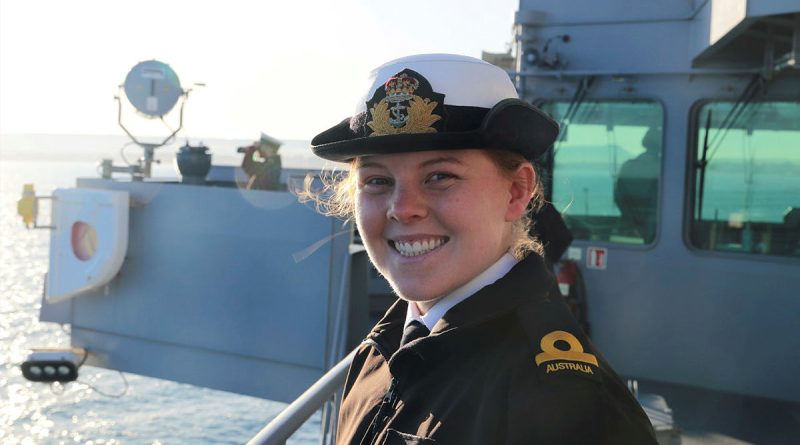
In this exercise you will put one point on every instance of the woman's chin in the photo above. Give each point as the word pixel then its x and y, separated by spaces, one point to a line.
pixel 417 294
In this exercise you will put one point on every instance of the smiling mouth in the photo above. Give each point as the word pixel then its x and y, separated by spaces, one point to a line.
pixel 418 247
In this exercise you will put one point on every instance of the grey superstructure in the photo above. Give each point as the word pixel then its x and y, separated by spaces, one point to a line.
pixel 705 309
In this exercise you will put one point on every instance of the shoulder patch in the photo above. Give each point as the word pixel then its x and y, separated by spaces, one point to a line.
pixel 557 360
pixel 557 345
pixel 551 352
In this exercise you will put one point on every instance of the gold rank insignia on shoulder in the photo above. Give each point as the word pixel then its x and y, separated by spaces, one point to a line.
pixel 572 359
pixel 405 104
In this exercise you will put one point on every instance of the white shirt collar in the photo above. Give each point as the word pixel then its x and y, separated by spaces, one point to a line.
pixel 485 278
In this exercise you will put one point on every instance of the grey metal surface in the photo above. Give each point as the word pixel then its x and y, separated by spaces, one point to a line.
pixel 222 287
pixel 669 312
pixel 712 417
pixel 634 37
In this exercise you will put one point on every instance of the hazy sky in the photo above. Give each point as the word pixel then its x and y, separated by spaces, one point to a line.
pixel 290 68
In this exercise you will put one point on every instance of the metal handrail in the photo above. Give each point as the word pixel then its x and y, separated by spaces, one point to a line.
pixel 279 429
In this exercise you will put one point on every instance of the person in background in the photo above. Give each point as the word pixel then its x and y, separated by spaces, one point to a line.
pixel 636 189
pixel 475 350
pixel 262 163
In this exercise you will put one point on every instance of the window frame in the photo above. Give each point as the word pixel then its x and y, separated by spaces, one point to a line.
pixel 690 183
pixel 549 176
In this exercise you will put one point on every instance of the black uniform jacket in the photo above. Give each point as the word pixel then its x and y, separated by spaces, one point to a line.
pixel 505 366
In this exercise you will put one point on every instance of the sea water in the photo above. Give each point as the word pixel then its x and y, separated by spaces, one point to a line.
pixel 98 409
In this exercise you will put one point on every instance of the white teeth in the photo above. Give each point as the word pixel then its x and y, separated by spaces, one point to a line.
pixel 417 247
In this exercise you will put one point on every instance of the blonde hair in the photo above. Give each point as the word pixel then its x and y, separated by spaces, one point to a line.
pixel 336 197
pixel 522 239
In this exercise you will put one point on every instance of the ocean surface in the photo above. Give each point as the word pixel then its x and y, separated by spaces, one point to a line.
pixel 94 410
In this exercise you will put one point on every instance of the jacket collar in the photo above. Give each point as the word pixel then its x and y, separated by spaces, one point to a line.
pixel 529 279
pixel 526 281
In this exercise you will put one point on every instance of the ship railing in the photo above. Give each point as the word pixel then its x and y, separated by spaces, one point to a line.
pixel 323 391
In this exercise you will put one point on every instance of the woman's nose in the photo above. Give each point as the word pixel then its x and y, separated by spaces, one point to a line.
pixel 407 205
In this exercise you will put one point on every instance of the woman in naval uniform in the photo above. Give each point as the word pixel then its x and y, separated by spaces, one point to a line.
pixel 474 351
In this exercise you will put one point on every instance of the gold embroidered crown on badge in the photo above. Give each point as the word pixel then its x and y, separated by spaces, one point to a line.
pixel 572 359
pixel 401 110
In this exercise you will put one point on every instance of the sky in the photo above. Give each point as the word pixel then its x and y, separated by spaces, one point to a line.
pixel 288 68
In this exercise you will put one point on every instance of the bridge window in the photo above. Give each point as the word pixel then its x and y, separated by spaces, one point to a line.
pixel 607 169
pixel 747 178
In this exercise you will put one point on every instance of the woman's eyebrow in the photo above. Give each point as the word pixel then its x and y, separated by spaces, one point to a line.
pixel 442 159
pixel 367 164
pixel 426 163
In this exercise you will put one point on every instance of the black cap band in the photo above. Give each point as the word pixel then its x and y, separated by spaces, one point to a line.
pixel 511 125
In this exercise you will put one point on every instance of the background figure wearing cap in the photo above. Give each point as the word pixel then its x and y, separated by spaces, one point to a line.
pixel 636 189
pixel 474 350
pixel 262 163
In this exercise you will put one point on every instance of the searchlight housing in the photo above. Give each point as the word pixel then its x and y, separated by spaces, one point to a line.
pixel 153 89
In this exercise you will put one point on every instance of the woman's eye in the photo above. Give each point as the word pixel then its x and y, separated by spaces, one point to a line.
pixel 440 177
pixel 378 181
pixel 375 183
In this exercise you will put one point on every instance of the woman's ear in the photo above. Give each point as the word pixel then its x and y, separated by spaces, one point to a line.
pixel 521 190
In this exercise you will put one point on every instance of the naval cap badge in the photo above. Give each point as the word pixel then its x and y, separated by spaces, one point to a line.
pixel 406 103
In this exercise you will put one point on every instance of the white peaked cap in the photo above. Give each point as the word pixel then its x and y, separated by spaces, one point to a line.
pixel 438 102
pixel 477 84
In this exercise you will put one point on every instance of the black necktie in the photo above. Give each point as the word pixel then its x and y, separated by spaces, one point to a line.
pixel 413 331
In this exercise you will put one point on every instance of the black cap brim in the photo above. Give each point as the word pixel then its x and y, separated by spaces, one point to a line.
pixel 512 125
